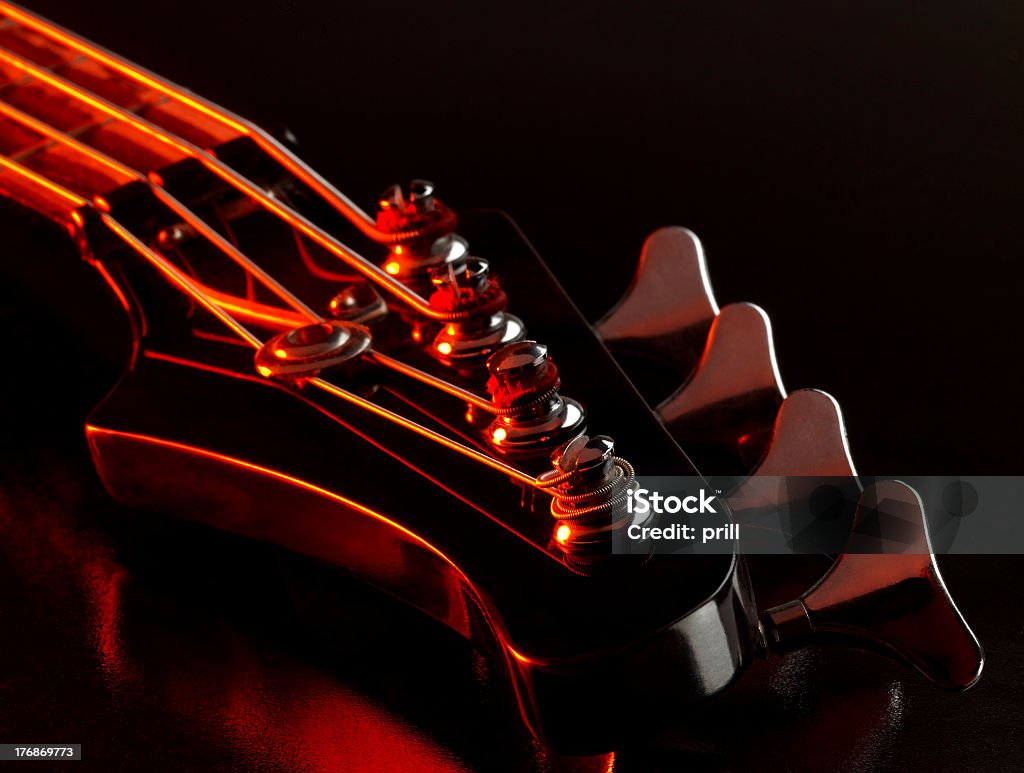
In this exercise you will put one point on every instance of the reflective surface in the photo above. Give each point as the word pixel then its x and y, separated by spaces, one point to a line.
pixel 165 646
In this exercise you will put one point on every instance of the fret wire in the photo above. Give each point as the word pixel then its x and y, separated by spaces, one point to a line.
pixel 70 40
pixel 31 150
pixel 348 208
pixel 236 180
pixel 244 261
pixel 68 138
pixel 171 202
pixel 296 220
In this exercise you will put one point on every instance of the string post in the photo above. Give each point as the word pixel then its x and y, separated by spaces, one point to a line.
pixel 420 231
pixel 532 416
pixel 465 293
pixel 590 487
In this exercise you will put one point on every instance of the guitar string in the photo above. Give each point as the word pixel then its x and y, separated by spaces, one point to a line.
pixel 344 205
pixel 240 183
pixel 247 264
pixel 170 201
pixel 189 287
pixel 185 284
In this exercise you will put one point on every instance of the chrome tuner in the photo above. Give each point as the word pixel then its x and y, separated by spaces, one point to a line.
pixel 853 604
pixel 422 231
pixel 532 415
pixel 481 325
pixel 589 486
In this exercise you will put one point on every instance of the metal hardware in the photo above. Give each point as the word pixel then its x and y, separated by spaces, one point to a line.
pixel 421 195
pixel 429 226
pixel 306 351
pixel 524 387
pixel 669 307
pixel 465 287
pixel 590 486
pixel 853 605
pixel 358 302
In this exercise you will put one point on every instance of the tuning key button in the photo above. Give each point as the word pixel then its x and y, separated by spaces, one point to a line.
pixel 669 306
pixel 726 411
pixel 806 473
pixel 808 449
pixel 809 438
pixel 532 416
pixel 885 594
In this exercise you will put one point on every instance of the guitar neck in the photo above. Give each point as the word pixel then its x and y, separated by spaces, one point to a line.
pixel 51 78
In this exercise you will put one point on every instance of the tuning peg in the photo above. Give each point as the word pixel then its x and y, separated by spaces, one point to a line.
pixel 727 409
pixel 421 195
pixel 392 201
pixel 533 415
pixel 809 438
pixel 669 306
pixel 895 604
pixel 465 286
pixel 806 476
pixel 808 442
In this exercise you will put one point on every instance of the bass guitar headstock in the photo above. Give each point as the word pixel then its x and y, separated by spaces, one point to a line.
pixel 410 395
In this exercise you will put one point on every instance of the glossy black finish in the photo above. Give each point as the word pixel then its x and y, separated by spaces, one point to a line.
pixel 575 647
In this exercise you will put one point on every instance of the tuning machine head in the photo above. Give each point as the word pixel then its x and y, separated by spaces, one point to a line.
pixel 420 231
pixel 894 604
pixel 590 486
pixel 479 326
pixel 533 417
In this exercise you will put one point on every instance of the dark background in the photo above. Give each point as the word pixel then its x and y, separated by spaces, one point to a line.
pixel 856 168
